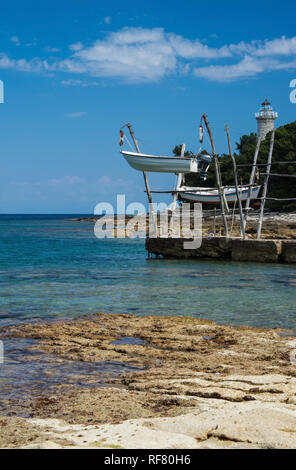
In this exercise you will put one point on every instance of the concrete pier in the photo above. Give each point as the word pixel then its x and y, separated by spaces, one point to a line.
pixel 289 251
pixel 263 251
pixel 222 248
pixel 215 247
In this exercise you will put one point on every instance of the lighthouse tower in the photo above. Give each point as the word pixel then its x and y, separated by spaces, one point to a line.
pixel 265 119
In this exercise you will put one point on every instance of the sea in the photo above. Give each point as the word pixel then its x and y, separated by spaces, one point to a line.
pixel 52 267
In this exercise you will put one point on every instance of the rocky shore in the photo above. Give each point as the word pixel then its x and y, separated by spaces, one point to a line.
pixel 275 225
pixel 195 385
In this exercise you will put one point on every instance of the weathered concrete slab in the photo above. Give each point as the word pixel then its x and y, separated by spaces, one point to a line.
pixel 289 251
pixel 235 249
pixel 218 248
pixel 262 251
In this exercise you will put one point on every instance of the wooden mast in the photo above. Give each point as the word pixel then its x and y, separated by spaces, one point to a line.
pixel 265 185
pixel 218 174
pixel 251 181
pixel 242 227
pixel 179 182
pixel 144 172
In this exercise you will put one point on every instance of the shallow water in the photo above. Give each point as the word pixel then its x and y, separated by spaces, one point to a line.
pixel 54 268
pixel 25 374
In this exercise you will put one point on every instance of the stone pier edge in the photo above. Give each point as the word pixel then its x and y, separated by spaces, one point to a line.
pixel 222 248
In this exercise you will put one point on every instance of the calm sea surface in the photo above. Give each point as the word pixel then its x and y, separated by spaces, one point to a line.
pixel 55 268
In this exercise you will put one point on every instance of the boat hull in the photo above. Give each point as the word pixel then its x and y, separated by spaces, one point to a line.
pixel 212 196
pixel 143 162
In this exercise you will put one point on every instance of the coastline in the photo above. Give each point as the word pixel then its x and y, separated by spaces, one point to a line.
pixel 276 225
pixel 196 384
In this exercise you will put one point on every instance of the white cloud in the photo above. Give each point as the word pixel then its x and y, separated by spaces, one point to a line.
pixel 134 54
pixel 78 82
pixel 247 67
pixel 23 65
pixel 72 82
pixel 16 40
pixel 138 54
pixel 77 114
pixel 75 185
pixel 64 181
pixel 76 46
pixel 195 49
pixel 52 49
pixel 281 46
pixel 135 36
pixel 223 73
pixel 149 54
pixel 106 185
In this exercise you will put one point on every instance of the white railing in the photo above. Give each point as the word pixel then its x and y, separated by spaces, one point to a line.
pixel 266 114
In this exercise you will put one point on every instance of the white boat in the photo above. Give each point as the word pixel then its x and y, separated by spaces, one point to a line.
pixel 162 164
pixel 211 195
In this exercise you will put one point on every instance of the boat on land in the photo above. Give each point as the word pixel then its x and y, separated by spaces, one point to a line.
pixel 163 164
pixel 211 195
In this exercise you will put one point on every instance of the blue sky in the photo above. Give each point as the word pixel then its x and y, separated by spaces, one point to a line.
pixel 75 71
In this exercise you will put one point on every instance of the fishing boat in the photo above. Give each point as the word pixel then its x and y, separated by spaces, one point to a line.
pixel 162 164
pixel 211 195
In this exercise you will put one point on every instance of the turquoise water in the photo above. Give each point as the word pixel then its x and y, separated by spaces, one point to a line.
pixel 55 268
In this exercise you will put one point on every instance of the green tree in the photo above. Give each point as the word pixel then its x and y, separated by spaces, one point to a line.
pixel 278 187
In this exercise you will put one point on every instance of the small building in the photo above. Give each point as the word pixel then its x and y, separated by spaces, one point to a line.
pixel 265 119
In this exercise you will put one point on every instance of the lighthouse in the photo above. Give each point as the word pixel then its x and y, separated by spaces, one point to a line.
pixel 265 119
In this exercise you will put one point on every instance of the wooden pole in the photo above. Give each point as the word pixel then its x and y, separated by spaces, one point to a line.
pixel 179 182
pixel 242 227
pixel 265 185
pixel 144 172
pixel 218 175
pixel 252 178
pixel 150 209
pixel 233 216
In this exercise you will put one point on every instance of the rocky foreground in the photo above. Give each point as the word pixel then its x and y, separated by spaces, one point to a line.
pixel 199 385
